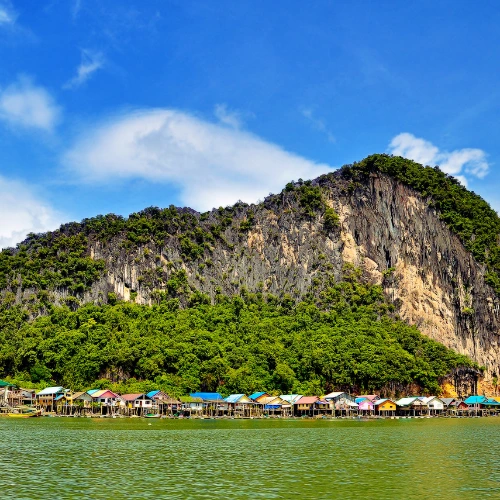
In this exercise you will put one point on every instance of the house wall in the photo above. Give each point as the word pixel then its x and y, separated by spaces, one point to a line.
pixel 387 406
pixel 436 405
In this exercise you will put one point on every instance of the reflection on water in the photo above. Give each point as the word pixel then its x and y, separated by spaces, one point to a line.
pixel 123 458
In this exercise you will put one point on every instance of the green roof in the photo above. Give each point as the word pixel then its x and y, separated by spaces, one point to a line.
pixel 6 384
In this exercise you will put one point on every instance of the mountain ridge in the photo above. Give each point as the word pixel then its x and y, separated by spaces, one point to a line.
pixel 412 230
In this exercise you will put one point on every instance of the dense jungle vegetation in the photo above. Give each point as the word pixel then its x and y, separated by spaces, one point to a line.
pixel 342 337
pixel 467 215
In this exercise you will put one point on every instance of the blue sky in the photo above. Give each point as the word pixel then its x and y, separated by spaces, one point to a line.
pixel 116 106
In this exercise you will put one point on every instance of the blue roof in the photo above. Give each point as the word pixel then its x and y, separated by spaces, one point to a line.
pixel 256 395
pixel 234 398
pixel 152 394
pixel 50 391
pixel 475 400
pixel 492 402
pixel 91 391
pixel 359 400
pixel 207 396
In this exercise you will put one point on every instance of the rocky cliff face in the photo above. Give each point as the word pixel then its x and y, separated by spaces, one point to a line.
pixel 281 245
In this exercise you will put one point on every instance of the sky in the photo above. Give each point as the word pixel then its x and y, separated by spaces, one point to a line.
pixel 112 107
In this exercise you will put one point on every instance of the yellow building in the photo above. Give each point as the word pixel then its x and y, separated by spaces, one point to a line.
pixel 384 407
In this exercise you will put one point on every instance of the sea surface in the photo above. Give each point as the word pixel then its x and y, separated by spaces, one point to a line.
pixel 249 459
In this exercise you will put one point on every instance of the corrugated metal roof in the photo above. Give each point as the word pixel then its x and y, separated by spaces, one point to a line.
pixel 207 396
pixel 333 395
pixel 49 391
pixel 103 394
pixel 428 399
pixel 447 401
pixel 131 397
pixel 290 398
pixel 235 398
pixel 307 400
pixel 92 391
pixel 406 401
pixel 474 400
pixel 78 395
pixel 256 395
pixel 380 401
pixel 152 394
pixel 371 397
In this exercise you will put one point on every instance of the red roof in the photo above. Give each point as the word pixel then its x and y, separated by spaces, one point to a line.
pixel 307 400
pixel 131 397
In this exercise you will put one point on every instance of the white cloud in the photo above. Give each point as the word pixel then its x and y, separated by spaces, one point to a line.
pixel 232 118
pixel 22 212
pixel 317 124
pixel 8 15
pixel 27 105
pixel 459 163
pixel 210 164
pixel 90 63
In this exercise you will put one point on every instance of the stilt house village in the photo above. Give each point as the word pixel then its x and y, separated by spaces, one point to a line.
pixel 58 401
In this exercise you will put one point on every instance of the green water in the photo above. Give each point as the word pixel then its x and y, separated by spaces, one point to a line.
pixel 139 458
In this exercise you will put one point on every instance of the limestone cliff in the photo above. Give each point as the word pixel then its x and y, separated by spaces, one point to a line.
pixel 282 244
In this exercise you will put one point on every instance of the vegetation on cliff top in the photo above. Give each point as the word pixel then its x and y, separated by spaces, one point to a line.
pixel 60 260
pixel 467 215
pixel 342 337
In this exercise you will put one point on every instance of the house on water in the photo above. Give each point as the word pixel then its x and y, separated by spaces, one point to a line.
pixel 46 398
pixel 259 397
pixel 104 399
pixel 240 405
pixel 435 406
pixel 365 406
pixel 412 406
pixel 164 404
pixel 305 406
pixel 135 404
pixel 342 403
pixel 214 404
pixel 192 406
pixel 385 407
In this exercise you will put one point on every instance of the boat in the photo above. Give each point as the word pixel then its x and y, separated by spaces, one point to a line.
pixel 24 412
pixel 152 415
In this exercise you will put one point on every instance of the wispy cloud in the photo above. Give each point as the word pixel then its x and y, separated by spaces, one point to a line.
pixel 27 105
pixel 8 15
pixel 460 163
pixel 76 7
pixel 231 118
pixel 22 211
pixel 210 164
pixel 317 123
pixel 90 63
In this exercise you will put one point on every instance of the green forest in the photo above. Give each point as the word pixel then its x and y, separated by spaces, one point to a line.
pixel 341 335
pixel 344 337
